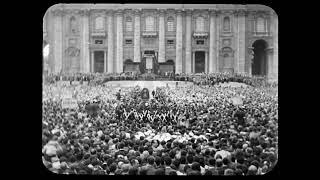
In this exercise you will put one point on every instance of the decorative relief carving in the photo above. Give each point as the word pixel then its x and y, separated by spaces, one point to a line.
pixel 84 12
pixel 72 51
pixel 226 42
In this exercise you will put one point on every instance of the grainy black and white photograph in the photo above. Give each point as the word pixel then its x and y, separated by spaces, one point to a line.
pixel 160 89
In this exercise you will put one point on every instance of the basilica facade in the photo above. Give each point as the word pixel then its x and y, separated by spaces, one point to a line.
pixel 179 38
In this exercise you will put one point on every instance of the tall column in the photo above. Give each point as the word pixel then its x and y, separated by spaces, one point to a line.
pixel 235 30
pixel 92 61
pixel 206 62
pixel 179 42
pixel 188 41
pixel 137 33
pixel 105 61
pixel 85 60
pixel 119 61
pixel 162 45
pixel 110 42
pixel 212 44
pixel 275 45
pixel 218 22
pixel 193 61
pixel 269 53
pixel 57 43
pixel 241 40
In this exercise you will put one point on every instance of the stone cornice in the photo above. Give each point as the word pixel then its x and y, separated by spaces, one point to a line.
pixel 240 12
pixel 110 12
pixel 137 12
pixel 189 12
pixel 84 12
pixel 58 12
pixel 119 12
pixel 213 12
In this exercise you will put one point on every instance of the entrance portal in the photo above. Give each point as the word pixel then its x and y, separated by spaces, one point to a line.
pixel 259 64
pixel 98 61
pixel 199 62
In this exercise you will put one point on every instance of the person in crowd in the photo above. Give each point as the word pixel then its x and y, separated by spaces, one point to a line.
pixel 125 136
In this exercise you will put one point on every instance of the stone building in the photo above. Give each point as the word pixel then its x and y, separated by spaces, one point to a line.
pixel 183 38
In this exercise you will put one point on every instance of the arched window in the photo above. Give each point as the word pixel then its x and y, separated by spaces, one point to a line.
pixel 170 23
pixel 200 24
pixel 149 23
pixel 73 24
pixel 226 24
pixel 128 24
pixel 99 23
pixel 261 24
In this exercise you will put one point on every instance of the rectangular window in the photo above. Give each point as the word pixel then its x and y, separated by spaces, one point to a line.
pixel 200 42
pixel 98 41
pixel 170 42
pixel 128 41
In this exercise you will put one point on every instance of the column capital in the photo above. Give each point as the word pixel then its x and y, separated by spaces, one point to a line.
pixel 84 12
pixel 161 11
pixel 189 12
pixel 269 50
pixel 137 12
pixel 119 12
pixel 58 12
pixel 179 11
pixel 213 12
pixel 240 12
pixel 110 12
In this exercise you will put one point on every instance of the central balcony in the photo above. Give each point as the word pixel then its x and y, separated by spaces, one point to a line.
pixel 200 34
pixel 149 34
pixel 98 34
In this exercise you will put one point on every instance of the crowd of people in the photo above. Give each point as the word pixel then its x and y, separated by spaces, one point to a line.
pixel 199 78
pixel 178 131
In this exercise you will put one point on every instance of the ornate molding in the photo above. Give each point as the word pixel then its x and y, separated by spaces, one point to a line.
pixel 179 12
pixel 213 12
pixel 189 12
pixel 137 12
pixel 161 11
pixel 72 51
pixel 269 50
pixel 227 11
pixel 110 12
pixel 251 52
pixel 84 12
pixel 58 12
pixel 240 12
pixel 119 12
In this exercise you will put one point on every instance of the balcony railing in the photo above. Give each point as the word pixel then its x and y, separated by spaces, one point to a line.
pixel 149 34
pixel 98 33
pixel 200 34
pixel 261 33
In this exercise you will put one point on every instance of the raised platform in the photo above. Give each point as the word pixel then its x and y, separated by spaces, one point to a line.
pixel 151 85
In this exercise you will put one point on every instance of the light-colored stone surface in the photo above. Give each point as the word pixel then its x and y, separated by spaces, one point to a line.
pixel 110 42
pixel 162 45
pixel 188 56
pixel 242 35
pixel 178 62
pixel 137 37
pixel 119 42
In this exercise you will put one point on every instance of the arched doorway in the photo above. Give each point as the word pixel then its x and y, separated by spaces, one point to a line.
pixel 98 61
pixel 199 62
pixel 259 62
